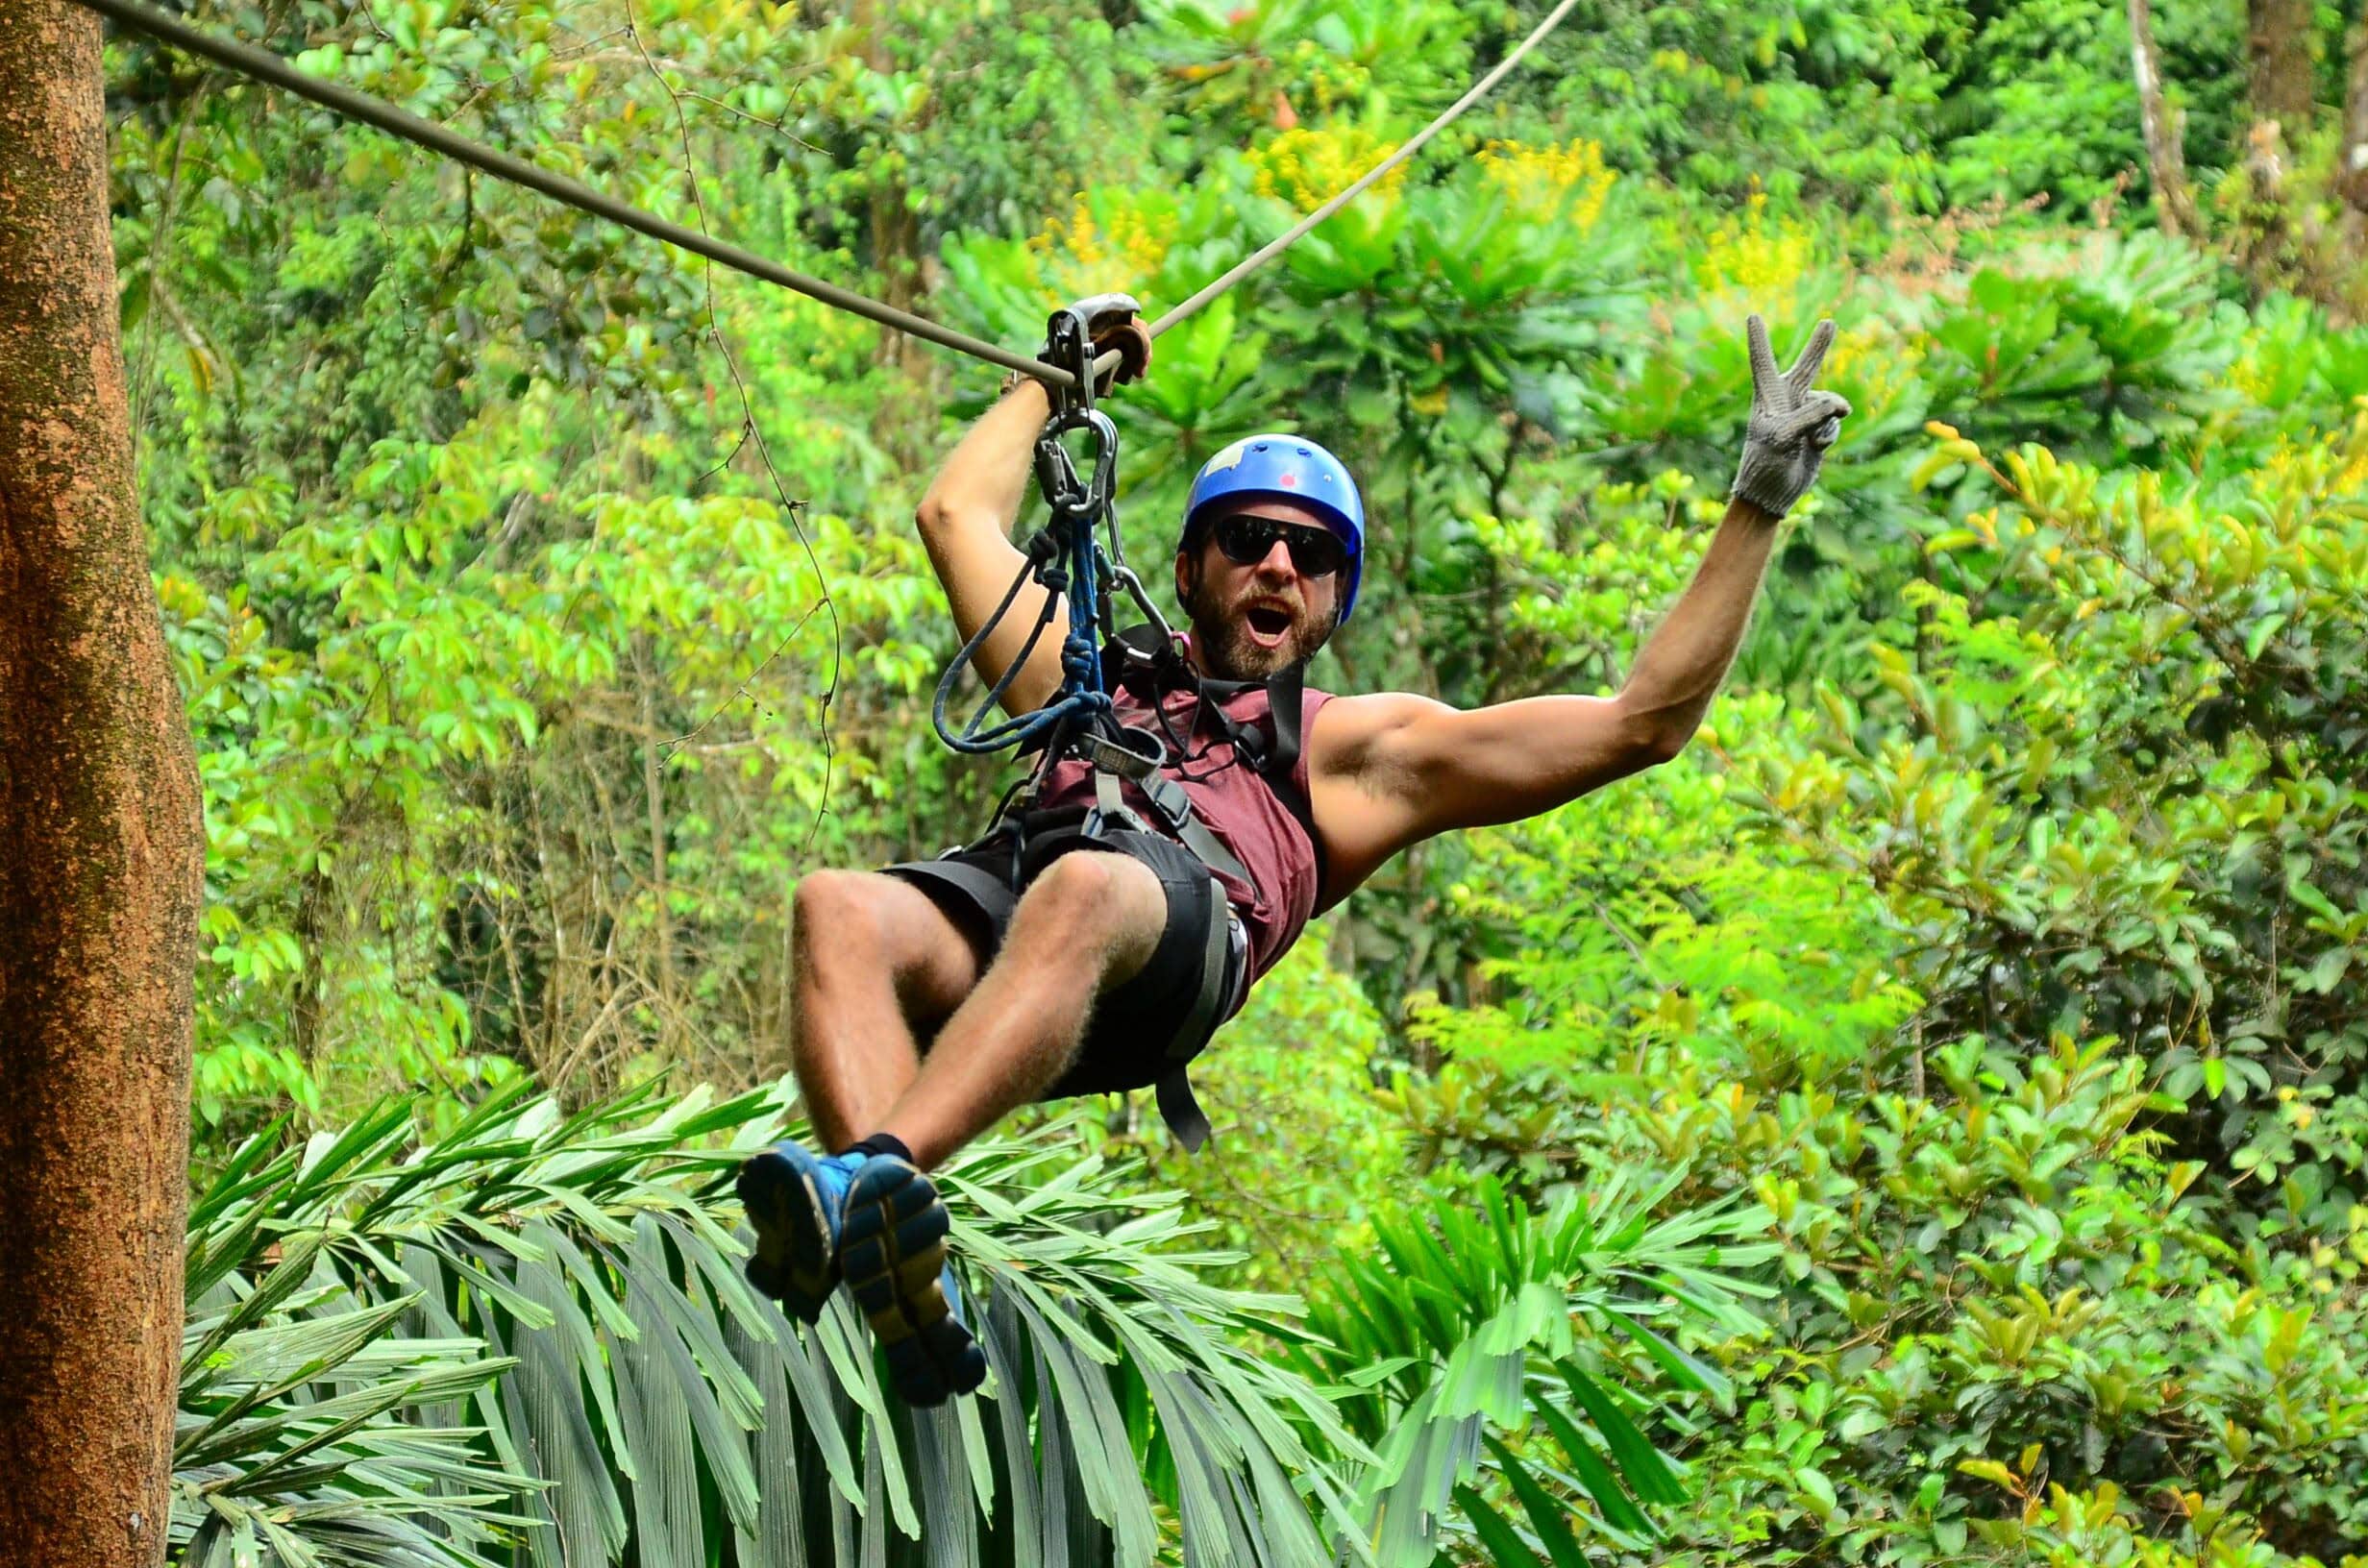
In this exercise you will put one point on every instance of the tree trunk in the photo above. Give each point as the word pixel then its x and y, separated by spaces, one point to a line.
pixel 2261 237
pixel 2278 64
pixel 101 859
pixel 895 227
pixel 2166 163
pixel 2352 153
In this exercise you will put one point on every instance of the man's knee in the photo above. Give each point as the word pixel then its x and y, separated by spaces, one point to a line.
pixel 838 916
pixel 1093 899
pixel 880 925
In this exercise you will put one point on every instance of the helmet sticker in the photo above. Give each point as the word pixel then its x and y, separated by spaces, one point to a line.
pixel 1230 457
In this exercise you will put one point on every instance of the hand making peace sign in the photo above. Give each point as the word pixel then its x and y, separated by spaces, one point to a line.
pixel 1791 422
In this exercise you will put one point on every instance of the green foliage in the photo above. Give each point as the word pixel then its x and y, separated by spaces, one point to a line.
pixel 1281 59
pixel 533 1331
pixel 1839 102
pixel 2113 784
pixel 545 605
pixel 1463 1328
pixel 1288 1091
pixel 2097 1296
pixel 309 1433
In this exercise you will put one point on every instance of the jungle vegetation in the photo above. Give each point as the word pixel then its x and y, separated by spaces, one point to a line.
pixel 1922 1124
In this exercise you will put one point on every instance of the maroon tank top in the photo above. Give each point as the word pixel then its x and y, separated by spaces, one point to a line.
pixel 1236 804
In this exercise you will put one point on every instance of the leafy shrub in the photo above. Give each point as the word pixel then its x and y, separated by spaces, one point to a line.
pixel 2100 1294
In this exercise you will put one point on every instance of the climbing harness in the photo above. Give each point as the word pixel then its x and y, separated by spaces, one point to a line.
pixel 1067 561
pixel 1151 667
pixel 1066 558
pixel 1145 659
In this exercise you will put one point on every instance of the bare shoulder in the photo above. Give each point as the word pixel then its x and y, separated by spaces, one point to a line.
pixel 1360 786
pixel 1353 734
pixel 1390 770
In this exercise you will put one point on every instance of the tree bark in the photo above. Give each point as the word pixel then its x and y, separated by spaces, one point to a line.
pixel 102 854
pixel 2166 163
pixel 895 227
pixel 2352 152
pixel 2279 82
pixel 2261 237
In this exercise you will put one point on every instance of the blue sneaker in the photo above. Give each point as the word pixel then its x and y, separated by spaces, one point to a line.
pixel 796 1199
pixel 892 1244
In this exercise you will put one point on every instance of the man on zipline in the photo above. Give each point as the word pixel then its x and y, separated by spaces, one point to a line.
pixel 933 999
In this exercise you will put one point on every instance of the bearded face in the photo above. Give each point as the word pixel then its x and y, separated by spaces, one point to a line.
pixel 1251 621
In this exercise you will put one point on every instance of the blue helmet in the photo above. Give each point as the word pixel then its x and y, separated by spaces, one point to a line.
pixel 1284 468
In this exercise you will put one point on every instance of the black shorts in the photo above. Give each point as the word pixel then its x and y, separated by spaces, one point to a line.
pixel 1149 1026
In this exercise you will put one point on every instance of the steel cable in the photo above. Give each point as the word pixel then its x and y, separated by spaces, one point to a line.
pixel 1414 144
pixel 264 67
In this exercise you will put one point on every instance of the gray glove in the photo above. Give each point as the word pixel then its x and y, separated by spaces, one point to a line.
pixel 1791 425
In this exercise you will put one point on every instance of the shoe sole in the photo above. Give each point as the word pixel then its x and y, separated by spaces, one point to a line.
pixel 794 1261
pixel 892 1246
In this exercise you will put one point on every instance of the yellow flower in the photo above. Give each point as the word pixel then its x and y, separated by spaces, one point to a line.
pixel 1111 239
pixel 1747 257
pixel 1550 184
pixel 1308 166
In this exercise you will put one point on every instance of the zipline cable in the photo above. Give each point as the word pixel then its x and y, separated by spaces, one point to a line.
pixel 264 67
pixel 1283 242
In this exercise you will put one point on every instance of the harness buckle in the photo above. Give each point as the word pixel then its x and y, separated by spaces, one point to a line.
pixel 1122 756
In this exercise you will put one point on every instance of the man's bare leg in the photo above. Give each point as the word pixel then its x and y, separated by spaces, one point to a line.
pixel 875 966
pixel 1088 923
pixel 873 974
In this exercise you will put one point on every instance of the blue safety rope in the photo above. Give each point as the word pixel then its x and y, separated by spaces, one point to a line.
pixel 1067 561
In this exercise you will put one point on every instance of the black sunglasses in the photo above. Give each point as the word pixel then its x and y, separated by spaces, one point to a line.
pixel 1246 540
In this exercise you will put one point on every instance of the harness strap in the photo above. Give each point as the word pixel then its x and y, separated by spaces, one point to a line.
pixel 1175 809
pixel 1140 658
pixel 1177 1105
pixel 1115 765
pixel 1286 705
pixel 1277 764
pixel 1110 809
pixel 1180 1109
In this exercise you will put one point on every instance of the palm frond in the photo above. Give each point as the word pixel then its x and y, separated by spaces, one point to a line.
pixel 547 1309
pixel 1477 1319
pixel 307 1435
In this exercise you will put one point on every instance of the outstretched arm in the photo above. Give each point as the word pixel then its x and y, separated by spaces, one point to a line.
pixel 1394 768
pixel 1422 767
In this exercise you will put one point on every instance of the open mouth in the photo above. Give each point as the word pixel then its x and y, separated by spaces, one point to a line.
pixel 1267 625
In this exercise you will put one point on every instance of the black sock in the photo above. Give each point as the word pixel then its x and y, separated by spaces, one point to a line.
pixel 880 1143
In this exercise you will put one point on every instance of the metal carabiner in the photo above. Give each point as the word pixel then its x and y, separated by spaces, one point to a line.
pixel 1065 558
pixel 1056 471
